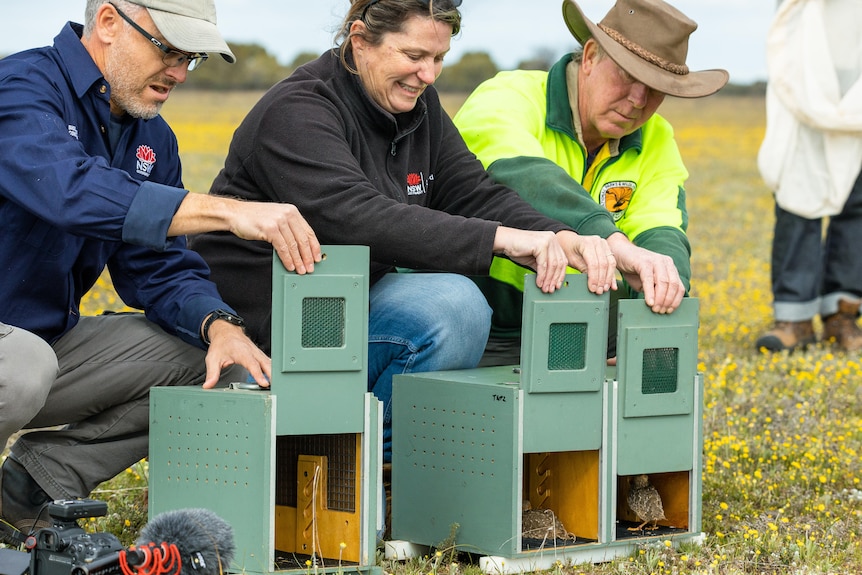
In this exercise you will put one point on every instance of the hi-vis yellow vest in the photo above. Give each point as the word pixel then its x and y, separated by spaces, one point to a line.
pixel 519 124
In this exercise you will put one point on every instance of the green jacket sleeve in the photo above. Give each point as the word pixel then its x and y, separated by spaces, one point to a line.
pixel 555 193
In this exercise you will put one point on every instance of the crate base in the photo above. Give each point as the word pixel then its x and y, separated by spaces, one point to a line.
pixel 548 557
pixel 397 550
pixel 574 555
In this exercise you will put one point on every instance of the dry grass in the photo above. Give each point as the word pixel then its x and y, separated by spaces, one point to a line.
pixel 783 432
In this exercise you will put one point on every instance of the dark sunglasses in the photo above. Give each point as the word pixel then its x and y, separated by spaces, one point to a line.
pixel 454 3
pixel 170 56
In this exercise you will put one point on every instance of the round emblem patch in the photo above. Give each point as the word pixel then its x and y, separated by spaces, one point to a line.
pixel 616 197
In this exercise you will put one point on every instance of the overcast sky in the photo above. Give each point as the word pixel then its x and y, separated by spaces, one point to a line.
pixel 731 33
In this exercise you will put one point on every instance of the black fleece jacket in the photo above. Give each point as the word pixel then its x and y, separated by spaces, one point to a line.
pixel 405 185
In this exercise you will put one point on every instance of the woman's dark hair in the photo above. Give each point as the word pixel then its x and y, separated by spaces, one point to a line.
pixel 382 17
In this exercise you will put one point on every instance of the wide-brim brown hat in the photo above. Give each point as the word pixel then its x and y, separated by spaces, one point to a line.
pixel 649 40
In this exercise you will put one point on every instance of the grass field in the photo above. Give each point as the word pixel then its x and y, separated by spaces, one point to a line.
pixel 783 432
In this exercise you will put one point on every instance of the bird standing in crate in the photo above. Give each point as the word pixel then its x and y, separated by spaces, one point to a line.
pixel 645 501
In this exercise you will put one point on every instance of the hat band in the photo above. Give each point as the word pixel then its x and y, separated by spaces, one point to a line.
pixel 680 69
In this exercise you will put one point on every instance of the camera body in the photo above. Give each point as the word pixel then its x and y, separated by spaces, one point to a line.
pixel 65 548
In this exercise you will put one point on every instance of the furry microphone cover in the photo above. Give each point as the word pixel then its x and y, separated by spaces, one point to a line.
pixel 204 540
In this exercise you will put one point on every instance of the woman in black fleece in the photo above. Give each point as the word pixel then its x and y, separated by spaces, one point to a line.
pixel 358 141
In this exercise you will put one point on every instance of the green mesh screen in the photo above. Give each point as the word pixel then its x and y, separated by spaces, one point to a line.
pixel 567 346
pixel 660 370
pixel 323 322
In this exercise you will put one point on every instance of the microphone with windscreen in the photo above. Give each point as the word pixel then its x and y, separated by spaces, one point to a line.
pixel 187 541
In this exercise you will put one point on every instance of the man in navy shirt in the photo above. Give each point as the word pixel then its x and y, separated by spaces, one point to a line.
pixel 90 177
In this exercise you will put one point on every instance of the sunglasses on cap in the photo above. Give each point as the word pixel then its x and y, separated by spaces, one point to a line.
pixel 171 57
pixel 454 3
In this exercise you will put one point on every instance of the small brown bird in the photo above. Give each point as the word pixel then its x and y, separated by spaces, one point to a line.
pixel 542 524
pixel 645 501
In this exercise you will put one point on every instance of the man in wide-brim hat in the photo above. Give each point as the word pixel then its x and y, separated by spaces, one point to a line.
pixel 583 144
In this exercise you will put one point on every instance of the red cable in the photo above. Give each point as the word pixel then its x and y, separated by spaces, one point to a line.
pixel 161 559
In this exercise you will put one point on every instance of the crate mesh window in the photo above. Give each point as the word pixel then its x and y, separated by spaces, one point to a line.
pixel 340 452
pixel 567 346
pixel 323 322
pixel 660 369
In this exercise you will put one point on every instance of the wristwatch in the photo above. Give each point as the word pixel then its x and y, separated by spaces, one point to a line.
pixel 219 314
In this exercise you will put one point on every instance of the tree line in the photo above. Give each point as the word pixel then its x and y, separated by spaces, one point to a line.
pixel 257 69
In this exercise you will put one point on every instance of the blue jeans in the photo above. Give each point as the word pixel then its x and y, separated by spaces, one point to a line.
pixel 422 322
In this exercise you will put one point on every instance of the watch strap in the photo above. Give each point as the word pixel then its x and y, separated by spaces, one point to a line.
pixel 219 314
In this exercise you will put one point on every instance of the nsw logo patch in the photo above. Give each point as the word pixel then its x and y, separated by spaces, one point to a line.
pixel 415 184
pixel 146 158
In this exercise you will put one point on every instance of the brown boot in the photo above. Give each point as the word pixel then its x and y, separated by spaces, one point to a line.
pixel 843 328
pixel 787 335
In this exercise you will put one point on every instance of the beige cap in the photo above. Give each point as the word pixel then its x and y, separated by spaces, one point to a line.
pixel 188 25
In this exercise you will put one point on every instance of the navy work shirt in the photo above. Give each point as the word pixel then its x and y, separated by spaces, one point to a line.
pixel 69 207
